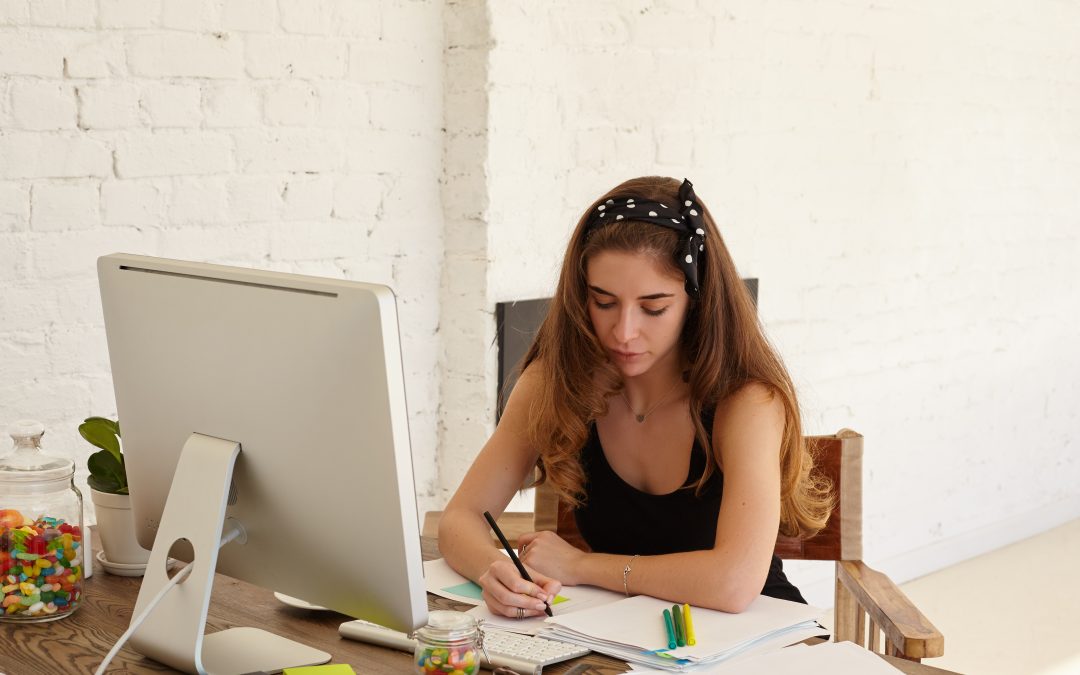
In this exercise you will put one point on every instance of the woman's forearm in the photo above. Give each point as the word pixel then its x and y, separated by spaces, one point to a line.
pixel 465 542
pixel 701 578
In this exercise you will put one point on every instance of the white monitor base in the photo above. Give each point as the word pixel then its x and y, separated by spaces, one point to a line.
pixel 174 632
pixel 236 651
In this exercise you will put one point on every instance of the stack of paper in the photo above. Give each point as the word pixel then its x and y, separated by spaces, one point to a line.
pixel 835 658
pixel 633 629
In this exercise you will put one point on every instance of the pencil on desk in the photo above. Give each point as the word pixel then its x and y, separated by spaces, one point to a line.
pixel 688 621
pixel 669 624
pixel 680 628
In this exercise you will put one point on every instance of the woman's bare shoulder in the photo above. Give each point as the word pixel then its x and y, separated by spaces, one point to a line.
pixel 531 380
pixel 753 405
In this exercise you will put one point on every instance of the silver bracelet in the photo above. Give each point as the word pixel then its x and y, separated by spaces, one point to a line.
pixel 626 574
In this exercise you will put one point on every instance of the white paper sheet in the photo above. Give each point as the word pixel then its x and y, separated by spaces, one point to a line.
pixel 638 622
pixel 574 598
pixel 442 580
pixel 835 658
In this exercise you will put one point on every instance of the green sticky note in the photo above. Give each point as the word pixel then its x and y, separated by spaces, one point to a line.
pixel 466 590
pixel 558 599
pixel 328 669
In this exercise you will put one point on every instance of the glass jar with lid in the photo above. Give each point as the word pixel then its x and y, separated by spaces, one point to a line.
pixel 41 535
pixel 448 644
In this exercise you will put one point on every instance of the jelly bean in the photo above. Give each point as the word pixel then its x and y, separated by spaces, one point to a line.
pixel 40 567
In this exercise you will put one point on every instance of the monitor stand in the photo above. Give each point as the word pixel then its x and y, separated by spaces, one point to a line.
pixel 174 632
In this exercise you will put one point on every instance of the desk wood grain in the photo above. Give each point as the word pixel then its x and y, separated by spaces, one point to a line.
pixel 76 644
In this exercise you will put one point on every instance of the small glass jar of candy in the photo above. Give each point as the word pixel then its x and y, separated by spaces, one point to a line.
pixel 448 644
pixel 41 535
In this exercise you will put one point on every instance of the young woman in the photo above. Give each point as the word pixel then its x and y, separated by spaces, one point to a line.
pixel 650 400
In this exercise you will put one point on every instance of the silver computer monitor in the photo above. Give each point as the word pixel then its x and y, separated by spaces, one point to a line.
pixel 304 376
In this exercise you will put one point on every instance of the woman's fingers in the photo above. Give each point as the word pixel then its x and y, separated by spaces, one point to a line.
pixel 509 610
pixel 505 591
pixel 507 573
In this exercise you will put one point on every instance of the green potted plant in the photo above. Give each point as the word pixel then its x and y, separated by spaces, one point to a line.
pixel 109 492
pixel 107 473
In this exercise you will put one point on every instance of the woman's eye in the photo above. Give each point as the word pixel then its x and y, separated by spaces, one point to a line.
pixel 603 305
pixel 655 312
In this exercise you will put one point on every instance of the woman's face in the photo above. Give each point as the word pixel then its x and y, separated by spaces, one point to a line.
pixel 638 307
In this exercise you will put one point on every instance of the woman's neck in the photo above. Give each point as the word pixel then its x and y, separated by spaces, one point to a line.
pixel 659 382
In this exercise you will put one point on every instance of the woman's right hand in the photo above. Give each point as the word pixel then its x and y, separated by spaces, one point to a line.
pixel 505 591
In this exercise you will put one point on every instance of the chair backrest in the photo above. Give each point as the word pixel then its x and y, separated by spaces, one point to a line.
pixel 838 457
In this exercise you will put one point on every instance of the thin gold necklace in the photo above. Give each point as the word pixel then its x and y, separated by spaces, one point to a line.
pixel 641 417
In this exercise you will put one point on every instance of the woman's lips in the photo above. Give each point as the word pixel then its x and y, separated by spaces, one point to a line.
pixel 626 356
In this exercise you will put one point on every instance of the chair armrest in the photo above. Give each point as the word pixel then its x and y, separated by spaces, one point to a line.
pixel 908 633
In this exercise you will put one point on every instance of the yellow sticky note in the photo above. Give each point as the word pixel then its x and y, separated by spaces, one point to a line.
pixel 328 669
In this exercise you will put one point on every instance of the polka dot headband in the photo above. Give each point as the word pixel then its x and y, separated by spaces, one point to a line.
pixel 685 218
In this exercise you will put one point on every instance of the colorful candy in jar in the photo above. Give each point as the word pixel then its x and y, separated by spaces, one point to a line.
pixel 455 661
pixel 40 565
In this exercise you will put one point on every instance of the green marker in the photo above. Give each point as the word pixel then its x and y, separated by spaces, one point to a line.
pixel 680 627
pixel 670 629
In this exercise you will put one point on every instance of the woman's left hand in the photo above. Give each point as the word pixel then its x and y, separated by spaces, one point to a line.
pixel 550 554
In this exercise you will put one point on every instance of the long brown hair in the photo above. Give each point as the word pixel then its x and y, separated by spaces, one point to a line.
pixel 722 339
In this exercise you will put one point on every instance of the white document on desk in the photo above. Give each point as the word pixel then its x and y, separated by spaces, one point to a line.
pixel 835 658
pixel 440 579
pixel 570 599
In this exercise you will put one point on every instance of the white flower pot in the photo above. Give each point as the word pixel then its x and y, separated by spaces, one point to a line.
pixel 116 529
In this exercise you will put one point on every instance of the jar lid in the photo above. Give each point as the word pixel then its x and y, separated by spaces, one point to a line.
pixel 28 462
pixel 448 625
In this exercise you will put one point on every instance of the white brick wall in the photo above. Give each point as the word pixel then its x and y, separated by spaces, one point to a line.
pixel 900 178
pixel 237 132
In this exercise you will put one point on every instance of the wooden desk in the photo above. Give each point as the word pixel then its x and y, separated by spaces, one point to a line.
pixel 77 644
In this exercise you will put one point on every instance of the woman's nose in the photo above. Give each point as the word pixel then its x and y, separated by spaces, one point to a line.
pixel 626 327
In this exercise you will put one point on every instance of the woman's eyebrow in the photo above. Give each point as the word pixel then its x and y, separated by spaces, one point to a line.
pixel 654 296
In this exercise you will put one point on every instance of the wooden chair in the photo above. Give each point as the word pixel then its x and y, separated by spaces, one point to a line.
pixel 862 594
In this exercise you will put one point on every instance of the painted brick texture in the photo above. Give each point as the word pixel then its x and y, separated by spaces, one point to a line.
pixel 234 132
pixel 901 177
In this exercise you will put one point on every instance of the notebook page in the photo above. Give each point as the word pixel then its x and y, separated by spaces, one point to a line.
pixel 638 622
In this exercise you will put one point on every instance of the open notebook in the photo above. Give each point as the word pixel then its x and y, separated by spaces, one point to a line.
pixel 633 629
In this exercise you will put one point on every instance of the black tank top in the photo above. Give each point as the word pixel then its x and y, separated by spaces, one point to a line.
pixel 618 518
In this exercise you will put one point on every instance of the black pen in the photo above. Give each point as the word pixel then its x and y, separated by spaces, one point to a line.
pixel 513 556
